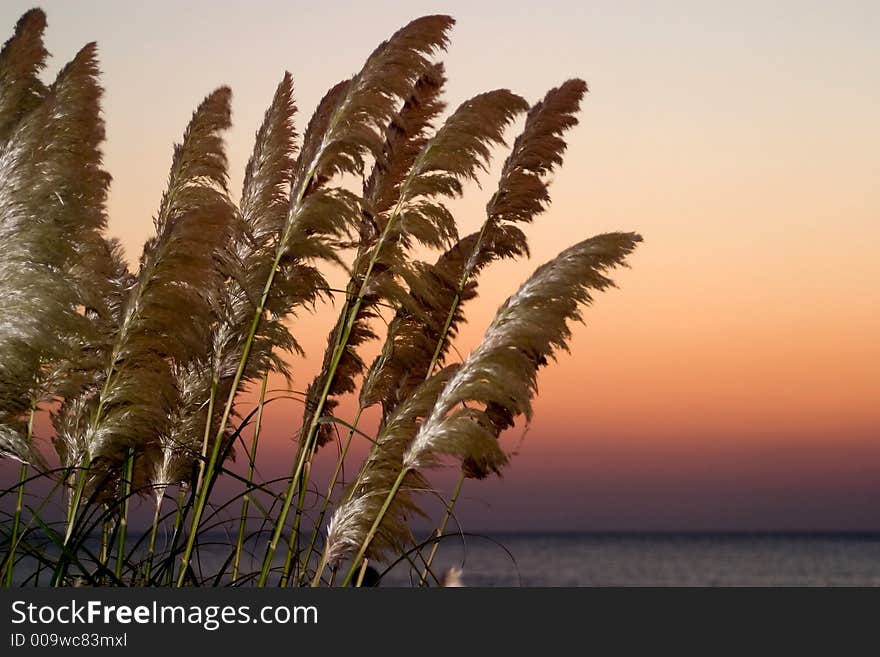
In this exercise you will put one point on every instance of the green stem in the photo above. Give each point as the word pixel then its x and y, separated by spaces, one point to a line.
pixel 307 447
pixel 361 572
pixel 123 517
pixel 104 555
pixel 16 520
pixel 19 503
pixel 175 532
pixel 441 529
pixel 320 570
pixel 74 500
pixel 152 545
pixel 206 471
pixel 293 541
pixel 201 501
pixel 246 500
pixel 212 399
pixel 72 512
pixel 325 505
pixel 442 341
pixel 465 275
pixel 227 410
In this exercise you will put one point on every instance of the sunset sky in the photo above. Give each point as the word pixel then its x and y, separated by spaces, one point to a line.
pixel 733 379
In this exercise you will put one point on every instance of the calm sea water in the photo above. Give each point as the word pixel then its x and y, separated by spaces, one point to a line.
pixel 663 560
pixel 632 559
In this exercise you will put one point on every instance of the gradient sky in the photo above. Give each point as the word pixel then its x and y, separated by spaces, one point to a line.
pixel 733 381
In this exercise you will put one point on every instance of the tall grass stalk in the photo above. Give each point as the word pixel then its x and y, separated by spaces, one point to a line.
pixel 9 565
pixel 104 553
pixel 435 358
pixel 75 499
pixel 307 449
pixel 535 153
pixel 380 516
pixel 442 162
pixel 151 546
pixel 299 463
pixel 206 468
pixel 127 485
pixel 328 496
pixel 441 529
pixel 499 377
pixel 177 528
pixel 74 503
pixel 246 499
pixel 362 572
pixel 19 506
pixel 298 480
pixel 201 499
pixel 212 398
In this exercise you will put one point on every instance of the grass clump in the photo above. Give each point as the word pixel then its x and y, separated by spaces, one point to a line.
pixel 142 373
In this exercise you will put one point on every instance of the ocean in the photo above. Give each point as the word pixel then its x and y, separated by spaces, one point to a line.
pixel 638 559
pixel 610 559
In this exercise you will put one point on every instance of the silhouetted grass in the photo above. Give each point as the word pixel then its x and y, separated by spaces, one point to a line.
pixel 142 372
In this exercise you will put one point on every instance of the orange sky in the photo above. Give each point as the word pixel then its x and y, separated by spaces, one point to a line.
pixel 733 381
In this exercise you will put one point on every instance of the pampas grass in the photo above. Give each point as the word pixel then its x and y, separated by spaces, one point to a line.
pixel 142 373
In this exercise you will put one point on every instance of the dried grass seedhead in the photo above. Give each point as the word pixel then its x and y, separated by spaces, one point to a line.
pixel 405 138
pixel 523 189
pixel 352 519
pixel 22 58
pixel 417 327
pixel 170 307
pixel 52 194
pixel 499 379
pixel 353 116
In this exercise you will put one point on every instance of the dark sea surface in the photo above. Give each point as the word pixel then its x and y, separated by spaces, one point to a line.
pixel 607 559
pixel 636 559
